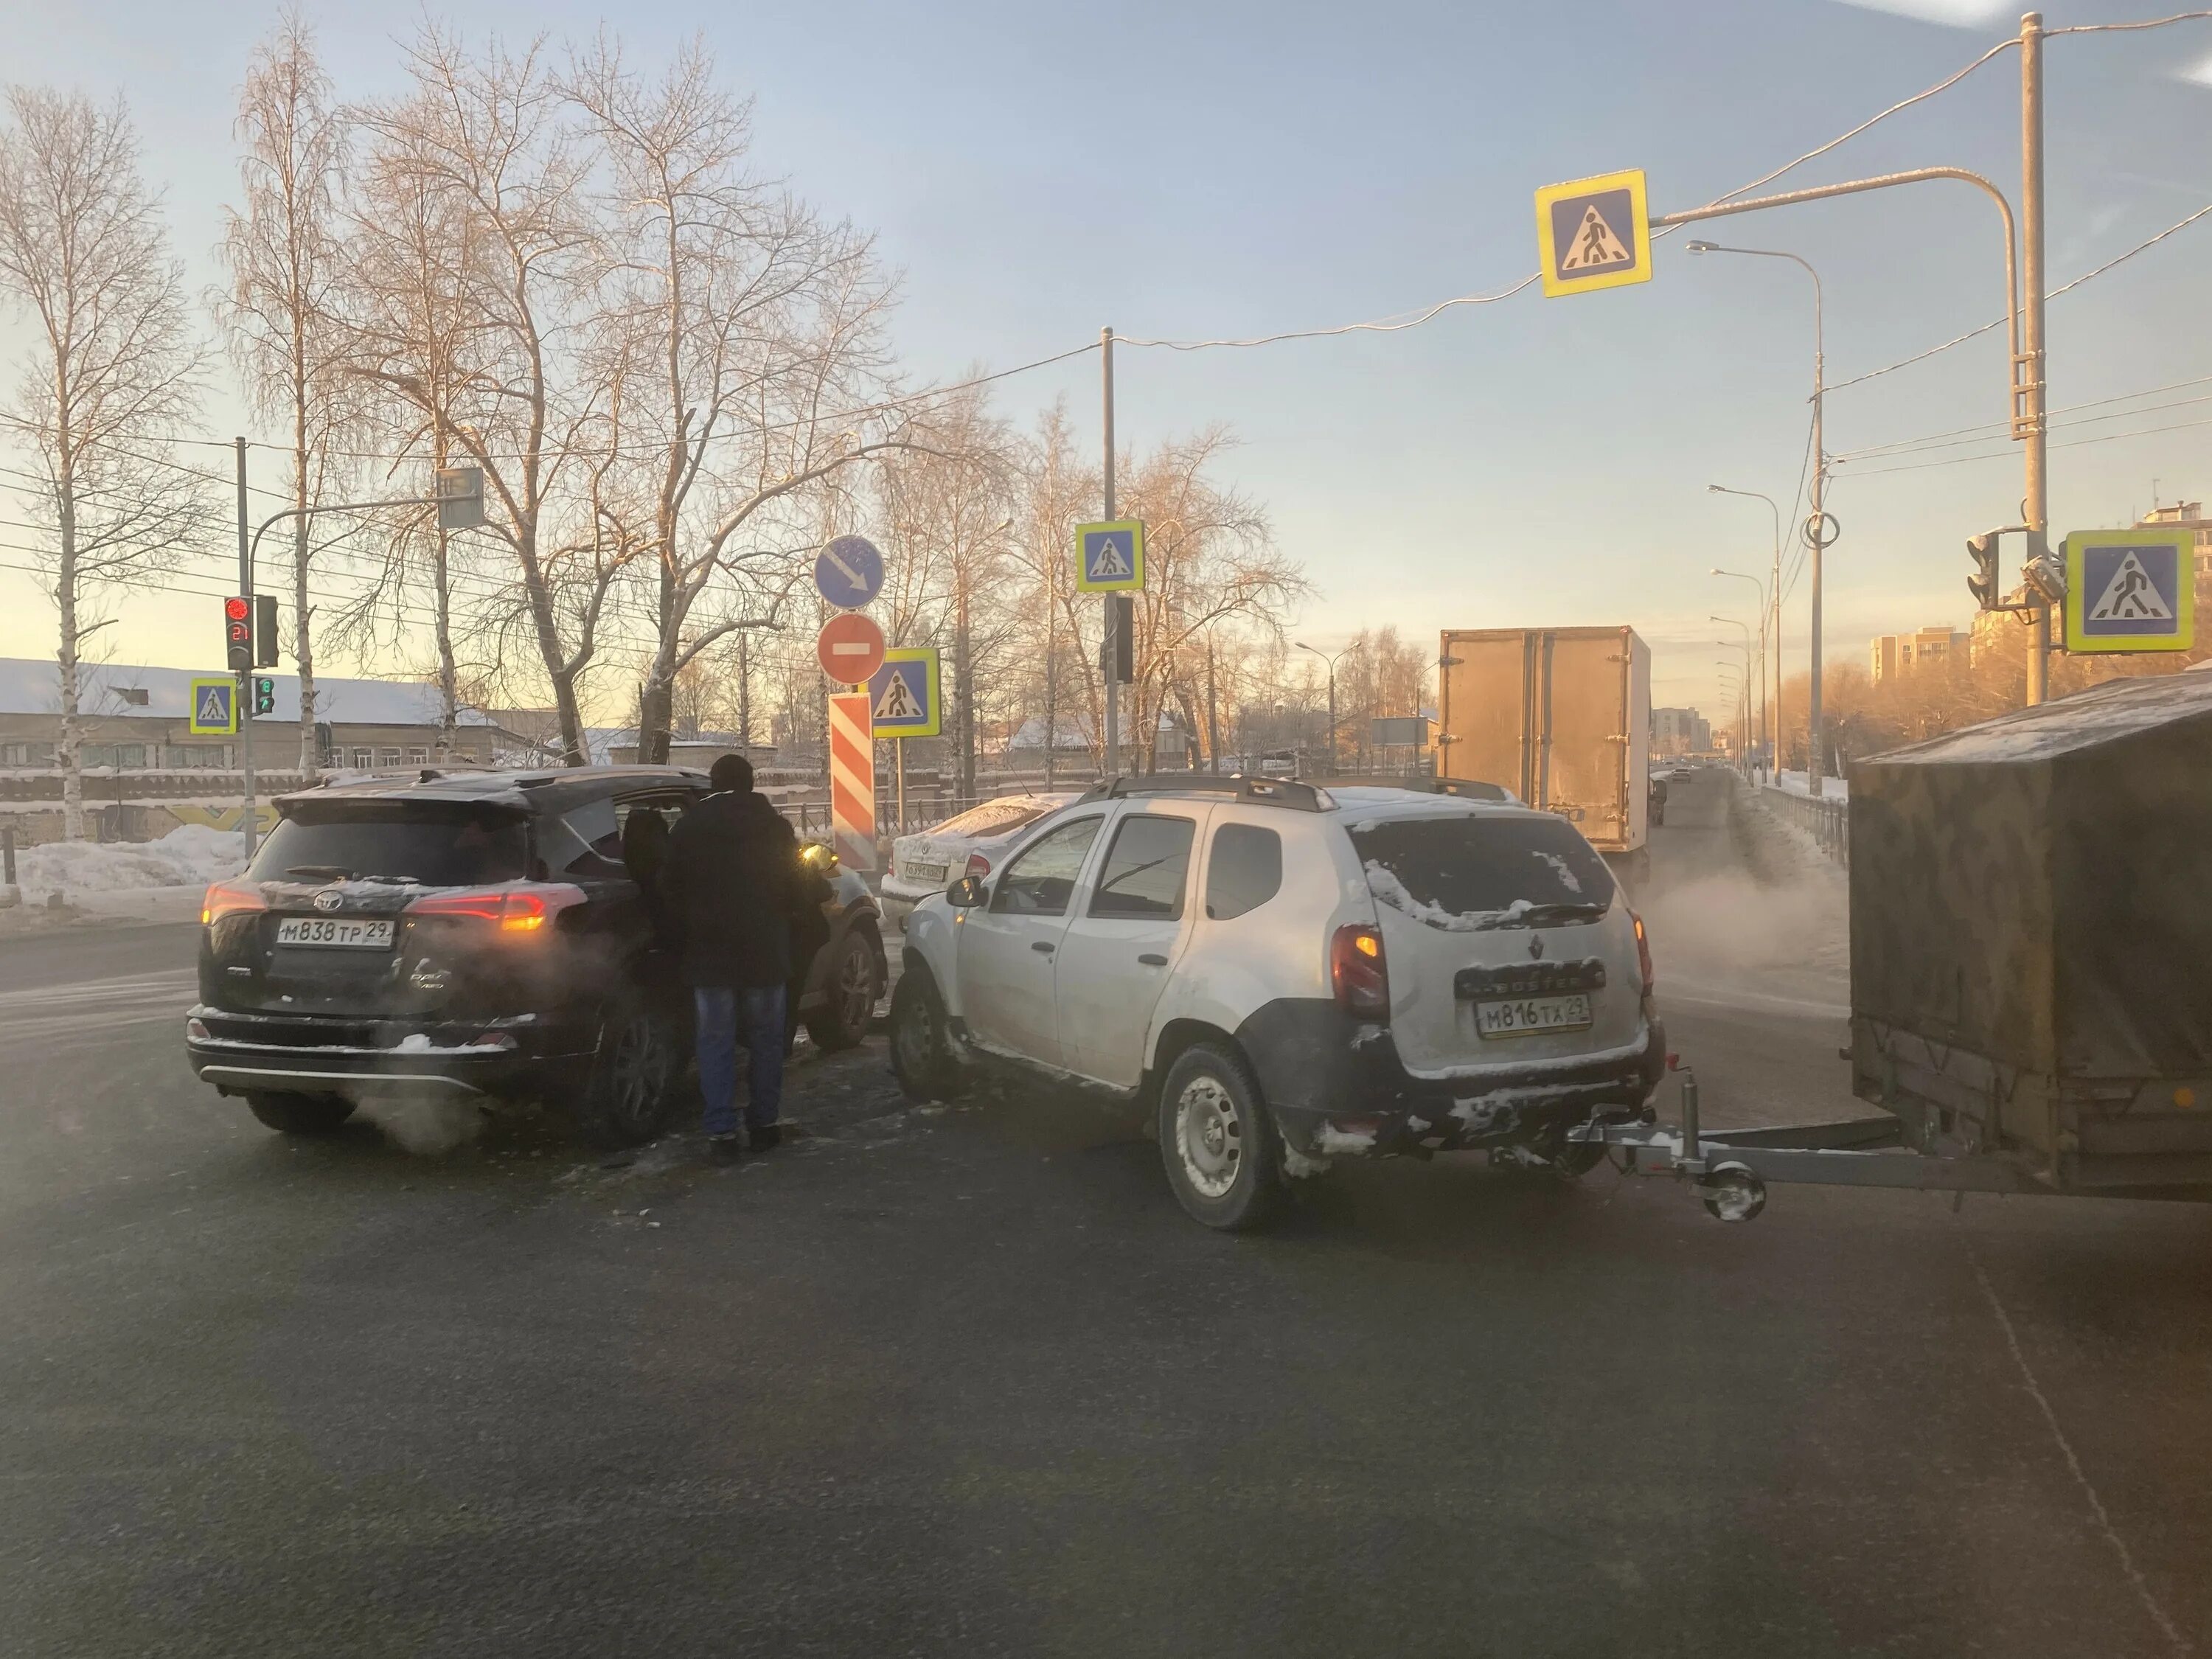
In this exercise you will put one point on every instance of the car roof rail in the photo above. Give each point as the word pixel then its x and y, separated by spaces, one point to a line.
pixel 1463 788
pixel 1289 793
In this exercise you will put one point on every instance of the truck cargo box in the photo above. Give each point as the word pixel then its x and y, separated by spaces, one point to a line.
pixel 2031 934
pixel 1561 716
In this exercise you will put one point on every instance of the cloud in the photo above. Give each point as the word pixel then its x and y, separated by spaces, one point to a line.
pixel 1951 13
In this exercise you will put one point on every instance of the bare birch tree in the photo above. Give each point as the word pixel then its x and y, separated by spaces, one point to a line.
pixel 108 377
pixel 753 324
pixel 286 260
pixel 539 401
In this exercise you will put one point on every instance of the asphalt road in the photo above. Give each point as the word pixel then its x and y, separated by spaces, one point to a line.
pixel 968 1382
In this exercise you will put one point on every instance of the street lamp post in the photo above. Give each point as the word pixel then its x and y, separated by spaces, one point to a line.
pixel 1331 661
pixel 1742 690
pixel 1773 605
pixel 1768 739
pixel 1816 536
pixel 1748 677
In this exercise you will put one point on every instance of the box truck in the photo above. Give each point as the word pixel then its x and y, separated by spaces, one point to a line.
pixel 1562 717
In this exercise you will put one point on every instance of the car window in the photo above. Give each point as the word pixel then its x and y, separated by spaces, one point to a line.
pixel 437 843
pixel 1245 870
pixel 642 838
pixel 1146 868
pixel 1475 871
pixel 596 851
pixel 1041 881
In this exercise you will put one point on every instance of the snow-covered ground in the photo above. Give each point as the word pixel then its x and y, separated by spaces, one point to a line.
pixel 191 856
pixel 1798 784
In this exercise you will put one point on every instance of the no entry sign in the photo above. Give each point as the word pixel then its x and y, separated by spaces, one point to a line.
pixel 850 648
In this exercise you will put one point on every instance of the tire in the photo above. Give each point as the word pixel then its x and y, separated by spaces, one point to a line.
pixel 301 1114
pixel 626 1100
pixel 922 1041
pixel 850 989
pixel 1219 1142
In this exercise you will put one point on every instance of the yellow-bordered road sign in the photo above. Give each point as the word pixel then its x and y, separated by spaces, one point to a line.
pixel 1594 233
pixel 214 712
pixel 1109 557
pixel 2131 590
pixel 905 699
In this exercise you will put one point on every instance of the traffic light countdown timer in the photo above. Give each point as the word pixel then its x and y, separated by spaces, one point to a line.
pixel 238 633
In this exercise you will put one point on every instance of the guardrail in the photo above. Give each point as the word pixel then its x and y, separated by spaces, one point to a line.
pixel 1828 822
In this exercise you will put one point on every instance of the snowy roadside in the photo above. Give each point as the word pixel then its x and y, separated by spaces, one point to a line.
pixel 146 881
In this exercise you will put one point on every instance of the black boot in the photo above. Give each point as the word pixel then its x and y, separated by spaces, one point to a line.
pixel 767 1136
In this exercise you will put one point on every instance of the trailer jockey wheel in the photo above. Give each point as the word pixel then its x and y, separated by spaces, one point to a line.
pixel 1733 1193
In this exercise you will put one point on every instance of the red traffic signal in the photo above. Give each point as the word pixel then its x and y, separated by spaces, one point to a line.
pixel 235 609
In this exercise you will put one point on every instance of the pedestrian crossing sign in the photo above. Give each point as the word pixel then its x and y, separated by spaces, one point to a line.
pixel 905 696
pixel 2131 590
pixel 1594 233
pixel 1110 558
pixel 214 711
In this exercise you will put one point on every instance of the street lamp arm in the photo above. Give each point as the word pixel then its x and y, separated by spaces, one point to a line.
pixel 1852 187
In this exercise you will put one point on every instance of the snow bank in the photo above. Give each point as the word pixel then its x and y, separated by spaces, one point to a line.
pixel 191 856
pixel 1798 784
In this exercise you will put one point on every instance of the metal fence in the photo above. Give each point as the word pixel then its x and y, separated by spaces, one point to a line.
pixel 1828 822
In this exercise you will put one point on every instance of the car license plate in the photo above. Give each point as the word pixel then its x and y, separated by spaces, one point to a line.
pixel 342 931
pixel 1528 1016
pixel 925 873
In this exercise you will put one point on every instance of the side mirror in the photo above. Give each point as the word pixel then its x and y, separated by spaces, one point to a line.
pixel 965 894
pixel 818 856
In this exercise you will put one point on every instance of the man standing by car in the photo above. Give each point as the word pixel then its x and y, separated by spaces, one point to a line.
pixel 732 885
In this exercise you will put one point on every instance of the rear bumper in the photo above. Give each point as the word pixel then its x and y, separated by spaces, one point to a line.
pixel 1338 1086
pixel 244 1054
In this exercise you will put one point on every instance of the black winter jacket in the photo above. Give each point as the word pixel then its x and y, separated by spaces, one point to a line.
pixel 731 887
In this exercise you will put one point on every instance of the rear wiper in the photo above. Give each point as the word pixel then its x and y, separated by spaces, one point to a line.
pixel 1563 912
pixel 327 871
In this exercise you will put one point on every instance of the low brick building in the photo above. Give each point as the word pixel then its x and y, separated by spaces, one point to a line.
pixel 145 771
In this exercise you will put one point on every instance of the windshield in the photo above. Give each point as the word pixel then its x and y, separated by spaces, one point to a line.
pixel 995 817
pixel 436 843
pixel 1470 871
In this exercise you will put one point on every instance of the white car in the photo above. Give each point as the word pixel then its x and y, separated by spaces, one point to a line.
pixel 1281 973
pixel 971 844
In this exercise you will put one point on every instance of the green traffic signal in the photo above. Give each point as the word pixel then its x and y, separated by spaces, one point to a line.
pixel 265 697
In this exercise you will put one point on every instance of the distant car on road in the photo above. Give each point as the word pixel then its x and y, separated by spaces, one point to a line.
pixel 477 936
pixel 971 844
pixel 1281 973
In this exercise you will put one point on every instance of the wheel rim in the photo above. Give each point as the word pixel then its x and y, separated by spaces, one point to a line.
pixel 856 985
pixel 1209 1137
pixel 911 1036
pixel 635 1071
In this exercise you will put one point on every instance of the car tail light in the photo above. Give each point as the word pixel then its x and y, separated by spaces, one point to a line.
pixel 1644 954
pixel 1357 972
pixel 517 909
pixel 978 866
pixel 228 899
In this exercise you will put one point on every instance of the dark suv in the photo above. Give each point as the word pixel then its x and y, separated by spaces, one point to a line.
pixel 478 935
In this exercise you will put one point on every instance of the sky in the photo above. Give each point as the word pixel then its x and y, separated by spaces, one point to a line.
pixel 1222 169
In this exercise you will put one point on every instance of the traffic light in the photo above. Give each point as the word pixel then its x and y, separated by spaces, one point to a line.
pixel 237 633
pixel 265 697
pixel 265 630
pixel 1985 582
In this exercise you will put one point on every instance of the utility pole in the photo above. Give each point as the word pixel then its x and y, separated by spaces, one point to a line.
pixel 244 706
pixel 2035 501
pixel 1213 712
pixel 1113 667
pixel 1818 526
pixel 745 691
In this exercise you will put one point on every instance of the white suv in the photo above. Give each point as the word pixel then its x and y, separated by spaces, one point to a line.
pixel 1283 973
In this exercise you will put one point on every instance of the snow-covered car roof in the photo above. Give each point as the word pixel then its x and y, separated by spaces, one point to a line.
pixel 1364 803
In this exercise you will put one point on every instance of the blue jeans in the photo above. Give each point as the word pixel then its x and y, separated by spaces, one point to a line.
pixel 754 1017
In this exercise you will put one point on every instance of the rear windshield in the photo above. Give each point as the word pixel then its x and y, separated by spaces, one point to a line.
pixel 436 843
pixel 1466 872
pixel 995 818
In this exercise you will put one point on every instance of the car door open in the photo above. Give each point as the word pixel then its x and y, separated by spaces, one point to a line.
pixel 1006 946
pixel 1115 960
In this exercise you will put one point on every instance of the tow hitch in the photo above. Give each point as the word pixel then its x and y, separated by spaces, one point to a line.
pixel 1729 1170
